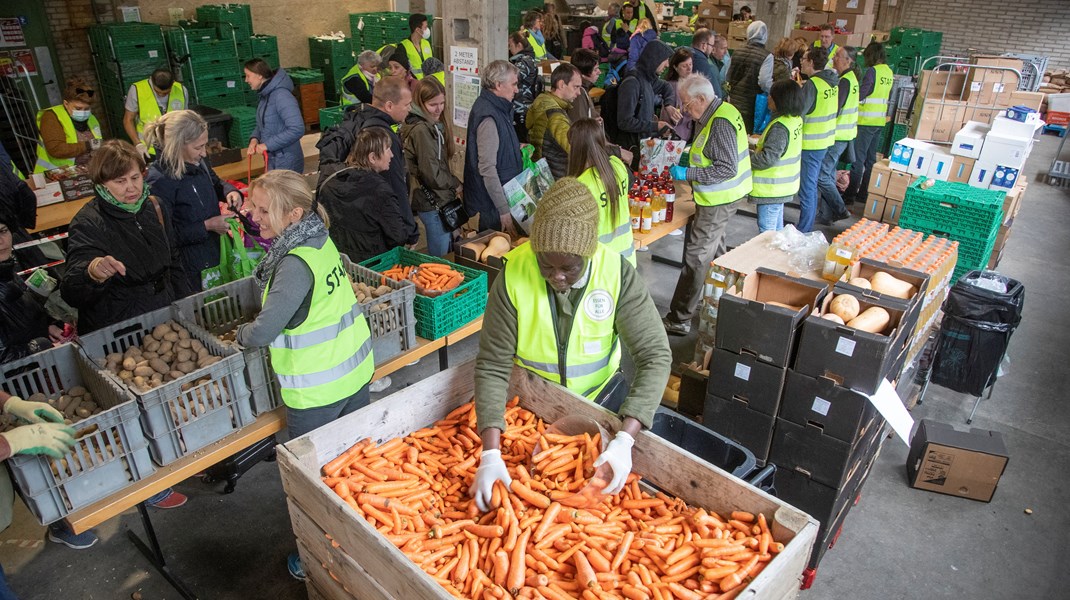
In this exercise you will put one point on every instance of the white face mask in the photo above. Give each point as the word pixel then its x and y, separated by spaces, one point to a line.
pixel 427 33
pixel 81 115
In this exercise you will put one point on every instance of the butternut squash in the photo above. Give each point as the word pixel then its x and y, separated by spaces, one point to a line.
pixel 874 320
pixel 496 246
pixel 861 282
pixel 844 306
pixel 476 248
pixel 782 305
pixel 835 318
pixel 893 286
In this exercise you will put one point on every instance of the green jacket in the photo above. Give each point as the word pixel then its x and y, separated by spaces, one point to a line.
pixel 548 124
pixel 638 325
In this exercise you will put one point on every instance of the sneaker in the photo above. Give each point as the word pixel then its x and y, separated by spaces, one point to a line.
pixel 674 328
pixel 61 533
pixel 822 221
pixel 294 566
pixel 172 500
pixel 379 384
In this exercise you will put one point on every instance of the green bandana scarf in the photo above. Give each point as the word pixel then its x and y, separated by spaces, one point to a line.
pixel 130 208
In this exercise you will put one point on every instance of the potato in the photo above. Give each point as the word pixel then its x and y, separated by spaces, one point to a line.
pixel 196 346
pixel 208 361
pixel 160 331
pixel 183 333
pixel 83 412
pixel 165 347
pixel 89 405
pixel 184 356
pixel 114 357
pixel 129 364
pixel 845 306
pixel 152 345
pixel 171 337
pixel 176 374
pixel 160 366
pixel 63 401
pixel 381 290
pixel 126 375
pixel 157 378
pixel 203 353
pixel 73 406
pixel 145 371
pixel 77 391
pixel 150 355
pixel 186 366
pixel 361 297
pixel 87 397
pixel 38 397
pixel 185 343
pixel 168 357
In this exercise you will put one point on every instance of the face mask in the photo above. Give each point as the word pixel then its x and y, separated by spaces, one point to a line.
pixel 427 33
pixel 81 115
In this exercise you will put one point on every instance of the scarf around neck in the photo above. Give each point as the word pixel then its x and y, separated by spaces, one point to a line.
pixel 130 208
pixel 293 236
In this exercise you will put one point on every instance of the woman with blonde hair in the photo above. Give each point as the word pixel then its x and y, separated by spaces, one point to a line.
pixel 785 50
pixel 428 146
pixel 189 190
pixel 314 328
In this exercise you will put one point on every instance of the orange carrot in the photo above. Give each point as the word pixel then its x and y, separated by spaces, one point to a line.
pixel 528 495
pixel 515 578
pixel 584 573
pixel 548 519
pixel 501 567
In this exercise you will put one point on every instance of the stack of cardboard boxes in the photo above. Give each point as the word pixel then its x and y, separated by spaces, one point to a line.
pixel 853 20
pixel 715 15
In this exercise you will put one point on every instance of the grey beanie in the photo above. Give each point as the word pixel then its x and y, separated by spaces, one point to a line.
pixel 757 32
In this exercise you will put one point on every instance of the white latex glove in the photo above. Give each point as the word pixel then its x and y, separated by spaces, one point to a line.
pixel 619 456
pixel 53 439
pixel 32 412
pixel 491 469
pixel 143 149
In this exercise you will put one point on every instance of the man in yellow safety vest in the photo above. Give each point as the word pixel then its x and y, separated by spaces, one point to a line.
pixel 146 101
pixel 831 207
pixel 720 175
pixel 562 308
pixel 825 41
pixel 418 45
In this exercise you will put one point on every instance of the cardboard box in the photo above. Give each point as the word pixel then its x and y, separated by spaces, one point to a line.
pixel 946 85
pixel 992 86
pixel 747 324
pixel 839 412
pixel 898 183
pixel 738 422
pixel 1033 100
pixel 1003 126
pixel 880 36
pixel 743 377
pixel 880 177
pixel 982 173
pixel 853 22
pixel 913 156
pixel 948 125
pixel 961 167
pixel 892 208
pixel 940 166
pixel 855 359
pixel 714 10
pixel 957 463
pixel 738 30
pixel 818 5
pixel 693 384
pixel 825 459
pixel 811 18
pixel 755 252
pixel 1003 150
pixel 970 139
pixel 1012 202
pixel 874 206
pixel 857 7
pixel 718 25
pixel 547 66
pixel 849 40
pixel 809 36
pixel 980 114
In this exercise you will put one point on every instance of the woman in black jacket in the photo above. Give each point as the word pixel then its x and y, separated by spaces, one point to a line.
pixel 362 207
pixel 189 190
pixel 121 261
pixel 529 81
pixel 25 327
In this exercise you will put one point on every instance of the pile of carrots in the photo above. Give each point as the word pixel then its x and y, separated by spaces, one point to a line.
pixel 414 491
pixel 429 276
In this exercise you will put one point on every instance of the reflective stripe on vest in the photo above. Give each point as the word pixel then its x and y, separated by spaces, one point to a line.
pixel 417 57
pixel 148 110
pixel 328 357
pixel 819 127
pixel 781 179
pixel 847 120
pixel 873 111
pixel 615 235
pixel 728 191
pixel 833 49
pixel 592 353
pixel 539 49
pixel 348 98
pixel 47 162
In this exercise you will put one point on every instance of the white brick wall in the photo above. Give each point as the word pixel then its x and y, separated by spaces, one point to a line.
pixel 1040 27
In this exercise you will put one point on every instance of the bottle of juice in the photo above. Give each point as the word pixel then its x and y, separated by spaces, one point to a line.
pixel 636 214
pixel 670 197
pixel 647 218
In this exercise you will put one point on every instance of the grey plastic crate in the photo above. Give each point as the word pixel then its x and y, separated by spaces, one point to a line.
pixel 219 311
pixel 111 452
pixel 390 317
pixel 180 421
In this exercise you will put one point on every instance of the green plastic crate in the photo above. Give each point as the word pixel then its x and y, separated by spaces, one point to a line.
pixel 220 67
pixel 225 100
pixel 245 50
pixel 216 86
pixel 331 116
pixel 264 44
pixel 240 16
pixel 271 58
pixel 975 211
pixel 242 123
pixel 304 75
pixel 436 317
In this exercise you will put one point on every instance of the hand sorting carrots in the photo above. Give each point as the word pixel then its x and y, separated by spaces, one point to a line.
pixel 414 491
pixel 429 277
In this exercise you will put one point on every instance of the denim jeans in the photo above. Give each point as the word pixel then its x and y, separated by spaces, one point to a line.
pixel 438 239
pixel 830 203
pixel 770 217
pixel 811 167
pixel 862 167
pixel 5 591
pixel 300 421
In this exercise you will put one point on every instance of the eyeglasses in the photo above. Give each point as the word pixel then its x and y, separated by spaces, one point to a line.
pixel 87 92
pixel 688 103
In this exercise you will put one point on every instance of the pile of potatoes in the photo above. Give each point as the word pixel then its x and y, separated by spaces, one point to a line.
pixel 93 451
pixel 76 404
pixel 169 353
pixel 366 293
pixel 383 323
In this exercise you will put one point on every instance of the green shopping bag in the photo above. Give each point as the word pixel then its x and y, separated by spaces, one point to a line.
pixel 235 260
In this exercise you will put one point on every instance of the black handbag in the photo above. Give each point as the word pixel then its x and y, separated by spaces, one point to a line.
pixel 452 214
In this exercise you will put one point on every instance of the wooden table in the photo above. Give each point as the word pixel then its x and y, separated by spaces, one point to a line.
pixel 58 215
pixel 683 210
pixel 425 347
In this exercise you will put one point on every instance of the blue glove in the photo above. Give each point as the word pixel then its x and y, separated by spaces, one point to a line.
pixel 678 173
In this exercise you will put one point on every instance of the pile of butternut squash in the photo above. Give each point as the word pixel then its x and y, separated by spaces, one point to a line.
pixel 844 309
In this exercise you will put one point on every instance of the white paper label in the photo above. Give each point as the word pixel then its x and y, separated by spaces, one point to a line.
pixel 821 406
pixel 743 371
pixel 231 84
pixel 845 347
pixel 717 276
pixel 975 86
pixel 594 347
pixel 153 54
pixel 997 87
pixel 843 253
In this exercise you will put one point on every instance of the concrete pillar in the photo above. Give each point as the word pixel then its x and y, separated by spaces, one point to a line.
pixel 779 16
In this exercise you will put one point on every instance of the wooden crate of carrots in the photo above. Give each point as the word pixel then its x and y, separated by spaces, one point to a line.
pixel 398 521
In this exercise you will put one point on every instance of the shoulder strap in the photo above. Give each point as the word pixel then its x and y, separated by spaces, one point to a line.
pixel 159 211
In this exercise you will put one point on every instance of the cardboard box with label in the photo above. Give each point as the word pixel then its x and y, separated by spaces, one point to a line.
pixel 961 167
pixel 1005 150
pixel 898 182
pixel 853 22
pixel 993 85
pixel 827 460
pixel 874 206
pixel 839 412
pixel 913 156
pixel 981 176
pixel 967 464
pixel 879 178
pixel 1004 178
pixel 745 378
pixel 737 421
pixel 970 139
pixel 749 321
pixel 51 193
pixel 1033 100
pixel 714 10
pixel 856 7
pixel 940 166
pixel 892 208
pixel 813 18
pixel 1003 126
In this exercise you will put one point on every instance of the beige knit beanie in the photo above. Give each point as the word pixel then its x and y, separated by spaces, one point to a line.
pixel 566 220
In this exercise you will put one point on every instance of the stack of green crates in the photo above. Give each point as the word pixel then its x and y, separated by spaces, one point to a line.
pixel 331 116
pixel 239 16
pixel 242 123
pixel 517 8
pixel 373 30
pixel 265 47
pixel 302 75
pixel 334 58
pixel 908 48
pixel 210 68
pixel 124 53
pixel 969 215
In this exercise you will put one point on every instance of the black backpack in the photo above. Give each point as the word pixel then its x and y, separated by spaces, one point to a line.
pixel 610 106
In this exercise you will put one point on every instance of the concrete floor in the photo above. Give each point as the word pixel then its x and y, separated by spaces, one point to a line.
pixel 898 542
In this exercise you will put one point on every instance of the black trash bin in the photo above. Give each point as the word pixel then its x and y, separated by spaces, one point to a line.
pixel 975 332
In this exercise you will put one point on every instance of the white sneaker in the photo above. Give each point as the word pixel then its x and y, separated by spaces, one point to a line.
pixel 379 384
